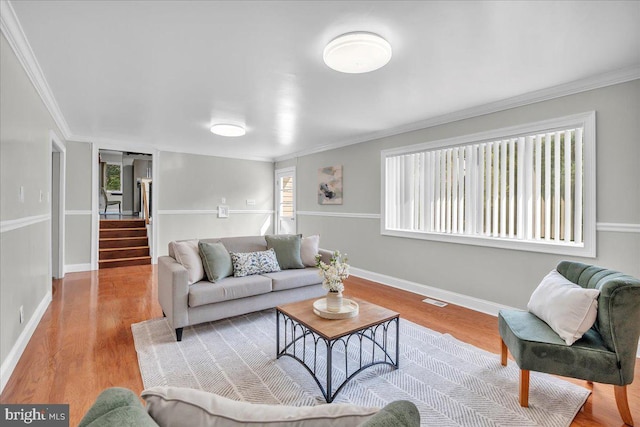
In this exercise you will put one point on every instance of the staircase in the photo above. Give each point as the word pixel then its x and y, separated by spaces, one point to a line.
pixel 123 242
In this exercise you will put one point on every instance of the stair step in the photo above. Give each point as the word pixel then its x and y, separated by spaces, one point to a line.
pixel 124 262
pixel 123 242
pixel 123 232
pixel 121 253
pixel 121 223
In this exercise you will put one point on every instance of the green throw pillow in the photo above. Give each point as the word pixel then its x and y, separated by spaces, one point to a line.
pixel 287 247
pixel 216 260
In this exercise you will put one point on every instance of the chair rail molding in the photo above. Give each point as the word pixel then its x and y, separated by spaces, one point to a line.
pixel 618 227
pixel 359 215
pixel 14 224
pixel 213 211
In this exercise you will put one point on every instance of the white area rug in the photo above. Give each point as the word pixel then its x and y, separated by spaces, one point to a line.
pixel 452 383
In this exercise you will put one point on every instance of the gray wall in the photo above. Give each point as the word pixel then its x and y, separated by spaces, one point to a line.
pixel 78 205
pixel 191 183
pixel 25 160
pixel 497 275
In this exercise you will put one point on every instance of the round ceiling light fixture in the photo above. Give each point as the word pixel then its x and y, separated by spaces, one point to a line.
pixel 227 129
pixel 357 52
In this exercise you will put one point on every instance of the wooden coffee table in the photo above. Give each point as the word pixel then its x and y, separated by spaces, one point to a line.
pixel 367 337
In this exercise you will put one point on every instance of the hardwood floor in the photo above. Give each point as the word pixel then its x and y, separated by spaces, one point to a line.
pixel 84 344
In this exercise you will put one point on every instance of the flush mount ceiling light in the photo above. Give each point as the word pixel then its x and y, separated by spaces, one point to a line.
pixel 227 129
pixel 357 52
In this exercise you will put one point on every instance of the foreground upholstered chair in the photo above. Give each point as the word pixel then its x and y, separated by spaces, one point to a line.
pixel 606 353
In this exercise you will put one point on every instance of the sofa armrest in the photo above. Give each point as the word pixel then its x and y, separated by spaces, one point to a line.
pixel 117 406
pixel 326 255
pixel 173 291
pixel 400 413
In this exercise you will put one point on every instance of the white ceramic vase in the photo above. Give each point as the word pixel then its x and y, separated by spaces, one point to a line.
pixel 334 302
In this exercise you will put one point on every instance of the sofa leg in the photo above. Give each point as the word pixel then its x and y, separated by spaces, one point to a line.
pixel 178 334
pixel 503 355
pixel 524 388
pixel 623 404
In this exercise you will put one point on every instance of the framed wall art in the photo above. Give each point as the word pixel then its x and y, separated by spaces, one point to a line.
pixel 330 185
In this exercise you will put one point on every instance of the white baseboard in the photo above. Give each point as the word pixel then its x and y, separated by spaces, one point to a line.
pixel 14 355
pixel 476 304
pixel 74 268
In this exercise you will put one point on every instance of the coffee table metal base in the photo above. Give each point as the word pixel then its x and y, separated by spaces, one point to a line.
pixel 297 340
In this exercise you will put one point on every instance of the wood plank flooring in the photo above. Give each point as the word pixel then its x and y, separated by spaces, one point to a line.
pixel 84 344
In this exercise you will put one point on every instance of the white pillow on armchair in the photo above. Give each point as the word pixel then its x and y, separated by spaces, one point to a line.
pixel 569 309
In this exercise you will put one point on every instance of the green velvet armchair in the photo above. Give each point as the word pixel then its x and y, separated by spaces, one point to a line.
pixel 606 353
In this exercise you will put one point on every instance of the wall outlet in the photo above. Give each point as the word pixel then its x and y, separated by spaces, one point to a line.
pixel 21 314
pixel 21 194
pixel 223 200
pixel 251 202
pixel 41 196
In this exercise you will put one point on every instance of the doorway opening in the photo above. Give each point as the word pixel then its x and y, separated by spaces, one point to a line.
pixel 124 207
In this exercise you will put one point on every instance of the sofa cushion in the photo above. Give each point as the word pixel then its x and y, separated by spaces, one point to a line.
pixel 249 263
pixel 289 279
pixel 216 260
pixel 242 244
pixel 229 288
pixel 309 247
pixel 175 406
pixel 186 253
pixel 569 309
pixel 287 247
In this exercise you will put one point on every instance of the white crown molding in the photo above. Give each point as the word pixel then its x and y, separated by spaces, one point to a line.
pixel 14 224
pixel 590 83
pixel 11 361
pixel 339 214
pixel 11 28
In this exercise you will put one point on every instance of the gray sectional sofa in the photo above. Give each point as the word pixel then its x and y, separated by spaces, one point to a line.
pixel 187 304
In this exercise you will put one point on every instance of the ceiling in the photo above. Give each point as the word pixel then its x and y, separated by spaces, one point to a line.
pixel 160 73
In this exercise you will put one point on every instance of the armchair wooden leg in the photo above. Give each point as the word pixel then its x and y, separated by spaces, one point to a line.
pixel 623 404
pixel 524 388
pixel 503 355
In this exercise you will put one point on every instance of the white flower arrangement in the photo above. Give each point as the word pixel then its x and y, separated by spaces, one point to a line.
pixel 333 273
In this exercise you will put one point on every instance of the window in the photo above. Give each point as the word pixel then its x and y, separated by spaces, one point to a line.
pixel 529 187
pixel 113 180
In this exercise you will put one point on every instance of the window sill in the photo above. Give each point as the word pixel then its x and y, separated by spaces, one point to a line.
pixel 542 246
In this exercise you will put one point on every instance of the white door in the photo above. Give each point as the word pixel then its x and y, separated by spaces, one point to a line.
pixel 286 201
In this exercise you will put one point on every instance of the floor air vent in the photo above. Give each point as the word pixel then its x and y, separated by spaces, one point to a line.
pixel 435 302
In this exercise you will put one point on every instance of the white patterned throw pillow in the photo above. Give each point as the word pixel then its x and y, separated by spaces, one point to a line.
pixel 249 263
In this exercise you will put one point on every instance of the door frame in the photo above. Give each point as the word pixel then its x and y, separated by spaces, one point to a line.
pixel 58 152
pixel 290 171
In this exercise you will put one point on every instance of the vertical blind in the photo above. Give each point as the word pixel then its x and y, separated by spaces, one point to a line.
pixel 525 188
